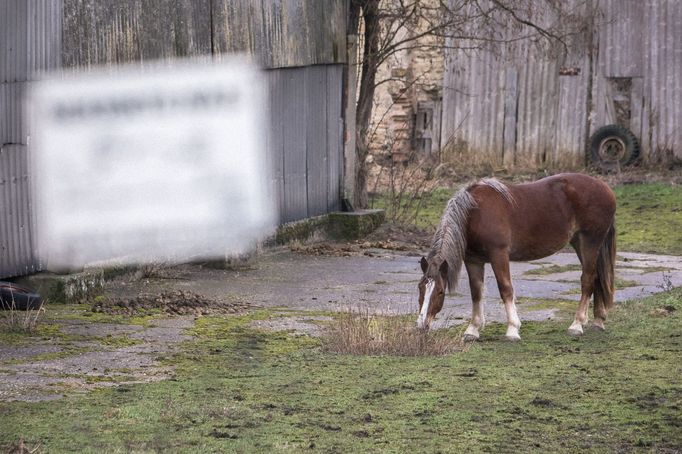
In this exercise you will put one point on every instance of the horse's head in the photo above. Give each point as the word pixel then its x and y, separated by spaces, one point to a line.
pixel 431 290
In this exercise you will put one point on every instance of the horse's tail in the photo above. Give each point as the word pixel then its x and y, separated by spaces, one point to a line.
pixel 604 283
pixel 450 240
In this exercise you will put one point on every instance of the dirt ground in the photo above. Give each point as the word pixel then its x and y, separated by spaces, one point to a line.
pixel 375 274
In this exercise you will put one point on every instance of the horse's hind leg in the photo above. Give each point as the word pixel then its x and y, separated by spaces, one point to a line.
pixel 599 309
pixel 500 263
pixel 588 250
pixel 476 273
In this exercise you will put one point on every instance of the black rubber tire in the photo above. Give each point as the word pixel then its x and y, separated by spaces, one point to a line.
pixel 613 146
pixel 13 297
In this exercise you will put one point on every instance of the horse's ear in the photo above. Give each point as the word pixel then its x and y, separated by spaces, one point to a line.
pixel 444 269
pixel 424 264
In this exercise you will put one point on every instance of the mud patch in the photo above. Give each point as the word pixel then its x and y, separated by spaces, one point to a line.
pixel 176 302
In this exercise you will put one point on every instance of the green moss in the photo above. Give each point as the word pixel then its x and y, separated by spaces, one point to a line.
pixel 552 269
pixel 84 312
pixel 301 230
pixel 64 352
pixel 648 270
pixel 350 226
pixel 560 305
pixel 621 283
pixel 116 341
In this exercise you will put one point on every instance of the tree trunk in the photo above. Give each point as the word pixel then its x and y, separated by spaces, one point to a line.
pixel 370 59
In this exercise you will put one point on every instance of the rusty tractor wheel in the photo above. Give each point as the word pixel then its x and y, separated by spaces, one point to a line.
pixel 612 147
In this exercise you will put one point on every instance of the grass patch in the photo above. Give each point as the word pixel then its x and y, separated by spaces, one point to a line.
pixel 649 218
pixel 238 389
pixel 366 333
pixel 424 213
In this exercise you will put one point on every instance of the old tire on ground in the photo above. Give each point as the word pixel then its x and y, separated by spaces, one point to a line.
pixel 613 146
pixel 13 297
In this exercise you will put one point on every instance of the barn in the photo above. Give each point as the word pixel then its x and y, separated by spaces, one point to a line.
pixel 301 44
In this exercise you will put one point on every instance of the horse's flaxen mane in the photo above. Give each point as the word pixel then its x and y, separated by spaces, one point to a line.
pixel 450 242
pixel 498 186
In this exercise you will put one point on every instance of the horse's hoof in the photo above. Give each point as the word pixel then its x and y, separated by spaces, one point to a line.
pixel 512 337
pixel 598 325
pixel 470 338
pixel 575 332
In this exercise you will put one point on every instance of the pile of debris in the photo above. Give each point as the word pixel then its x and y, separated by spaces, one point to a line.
pixel 368 248
pixel 177 302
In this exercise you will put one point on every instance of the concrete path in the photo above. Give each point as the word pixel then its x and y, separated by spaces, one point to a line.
pixel 387 282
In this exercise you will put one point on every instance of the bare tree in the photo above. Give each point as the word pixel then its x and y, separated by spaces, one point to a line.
pixel 390 26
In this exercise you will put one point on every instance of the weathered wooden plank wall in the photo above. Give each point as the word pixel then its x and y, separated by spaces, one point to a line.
pixel 282 33
pixel 643 42
pixel 501 105
pixel 517 106
pixel 301 43
pixel 278 33
pixel 99 32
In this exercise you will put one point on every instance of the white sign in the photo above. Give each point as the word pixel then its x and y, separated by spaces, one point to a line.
pixel 165 164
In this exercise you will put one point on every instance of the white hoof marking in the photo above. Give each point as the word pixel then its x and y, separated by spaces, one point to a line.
pixel 576 329
pixel 512 334
pixel 471 330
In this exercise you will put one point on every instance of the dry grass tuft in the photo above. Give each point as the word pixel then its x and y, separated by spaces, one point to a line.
pixel 21 321
pixel 361 332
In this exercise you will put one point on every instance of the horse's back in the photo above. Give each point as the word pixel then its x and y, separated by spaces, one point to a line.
pixel 588 200
pixel 543 216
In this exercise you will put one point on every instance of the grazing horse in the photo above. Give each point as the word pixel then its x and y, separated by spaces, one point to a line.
pixel 490 222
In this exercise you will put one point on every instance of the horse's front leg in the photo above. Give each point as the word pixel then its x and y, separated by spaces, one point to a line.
pixel 476 273
pixel 500 264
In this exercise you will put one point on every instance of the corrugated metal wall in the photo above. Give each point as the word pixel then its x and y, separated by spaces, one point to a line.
pixel 23 54
pixel 516 106
pixel 301 42
pixel 305 139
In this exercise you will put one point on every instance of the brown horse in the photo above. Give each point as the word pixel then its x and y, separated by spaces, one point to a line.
pixel 490 222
